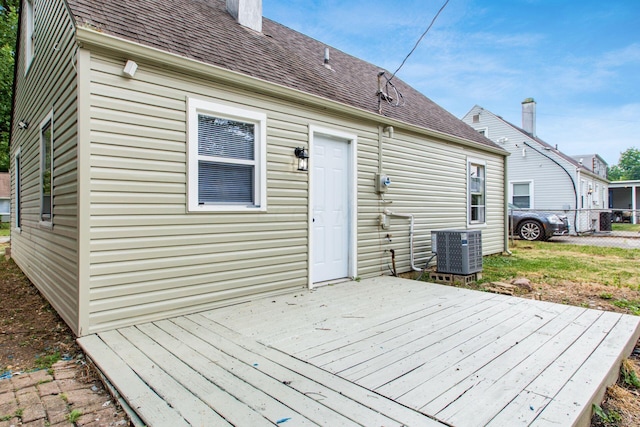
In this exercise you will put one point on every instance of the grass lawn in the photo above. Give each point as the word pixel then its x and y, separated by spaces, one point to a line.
pixel 5 229
pixel 552 263
pixel 589 276
pixel 625 227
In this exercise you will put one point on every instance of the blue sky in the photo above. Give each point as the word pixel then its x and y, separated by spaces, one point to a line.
pixel 580 60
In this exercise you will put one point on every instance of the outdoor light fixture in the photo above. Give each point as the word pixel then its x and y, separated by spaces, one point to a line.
pixel 23 125
pixel 303 158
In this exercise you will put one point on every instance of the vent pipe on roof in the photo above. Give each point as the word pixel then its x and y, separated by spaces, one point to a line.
pixel 326 58
pixel 247 12
pixel 529 116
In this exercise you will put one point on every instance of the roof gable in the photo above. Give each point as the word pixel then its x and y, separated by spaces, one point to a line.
pixel 542 143
pixel 202 30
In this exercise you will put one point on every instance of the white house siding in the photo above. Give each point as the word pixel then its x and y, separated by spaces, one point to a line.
pixel 150 259
pixel 48 256
pixel 556 184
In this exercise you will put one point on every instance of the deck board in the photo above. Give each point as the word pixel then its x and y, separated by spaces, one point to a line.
pixel 161 379
pixel 383 351
pixel 305 396
pixel 232 398
pixel 347 389
pixel 153 409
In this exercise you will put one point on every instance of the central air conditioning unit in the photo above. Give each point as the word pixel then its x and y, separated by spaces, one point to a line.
pixel 459 251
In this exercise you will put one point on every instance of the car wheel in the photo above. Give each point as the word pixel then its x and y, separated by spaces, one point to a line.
pixel 531 230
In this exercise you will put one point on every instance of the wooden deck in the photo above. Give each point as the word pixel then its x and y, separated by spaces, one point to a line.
pixel 381 352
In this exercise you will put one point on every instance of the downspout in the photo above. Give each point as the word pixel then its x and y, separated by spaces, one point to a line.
pixel 507 224
pixel 575 191
pixel 380 135
pixel 409 217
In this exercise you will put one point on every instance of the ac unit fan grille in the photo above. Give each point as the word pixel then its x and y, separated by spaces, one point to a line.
pixel 459 251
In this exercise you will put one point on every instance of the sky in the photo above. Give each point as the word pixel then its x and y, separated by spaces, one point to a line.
pixel 580 60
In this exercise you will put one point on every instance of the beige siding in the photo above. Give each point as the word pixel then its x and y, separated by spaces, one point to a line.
pixel 48 255
pixel 150 259
pixel 429 181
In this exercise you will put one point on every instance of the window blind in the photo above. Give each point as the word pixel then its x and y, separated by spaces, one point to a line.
pixel 221 182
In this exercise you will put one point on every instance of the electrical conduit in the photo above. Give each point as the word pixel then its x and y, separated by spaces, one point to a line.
pixel 409 217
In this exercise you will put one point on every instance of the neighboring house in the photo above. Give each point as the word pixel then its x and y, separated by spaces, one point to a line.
pixel 624 199
pixel 594 163
pixel 540 176
pixel 154 154
pixel 5 196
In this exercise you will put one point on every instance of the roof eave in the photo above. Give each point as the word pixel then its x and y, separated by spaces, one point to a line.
pixel 87 37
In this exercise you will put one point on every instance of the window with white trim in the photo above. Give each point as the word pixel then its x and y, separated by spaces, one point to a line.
pixel 29 34
pixel 227 158
pixel 18 189
pixel 476 192
pixel 521 194
pixel 46 168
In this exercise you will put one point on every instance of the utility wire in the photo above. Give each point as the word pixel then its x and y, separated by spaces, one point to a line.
pixel 419 40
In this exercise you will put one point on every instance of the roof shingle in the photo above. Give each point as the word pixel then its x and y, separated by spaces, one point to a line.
pixel 203 30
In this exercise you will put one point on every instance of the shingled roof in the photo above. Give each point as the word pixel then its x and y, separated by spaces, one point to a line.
pixel 549 147
pixel 204 31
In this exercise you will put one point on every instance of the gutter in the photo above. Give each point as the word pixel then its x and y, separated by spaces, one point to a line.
pixel 87 37
pixel 507 223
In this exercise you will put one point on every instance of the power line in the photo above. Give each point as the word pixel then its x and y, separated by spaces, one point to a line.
pixel 420 39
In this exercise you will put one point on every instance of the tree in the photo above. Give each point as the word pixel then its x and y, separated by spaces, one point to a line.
pixel 628 166
pixel 8 32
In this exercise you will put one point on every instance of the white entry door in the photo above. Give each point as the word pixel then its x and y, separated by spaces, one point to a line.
pixel 331 226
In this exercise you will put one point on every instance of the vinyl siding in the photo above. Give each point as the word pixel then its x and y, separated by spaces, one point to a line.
pixel 552 186
pixel 429 181
pixel 48 256
pixel 552 177
pixel 151 259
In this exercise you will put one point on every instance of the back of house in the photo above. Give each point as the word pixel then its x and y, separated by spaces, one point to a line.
pixel 160 165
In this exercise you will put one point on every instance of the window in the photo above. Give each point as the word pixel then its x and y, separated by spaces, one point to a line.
pixel 46 168
pixel 483 132
pixel 29 34
pixel 521 194
pixel 476 118
pixel 476 192
pixel 18 189
pixel 227 158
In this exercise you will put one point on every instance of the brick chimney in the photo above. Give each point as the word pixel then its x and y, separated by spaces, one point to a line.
pixel 529 116
pixel 247 12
